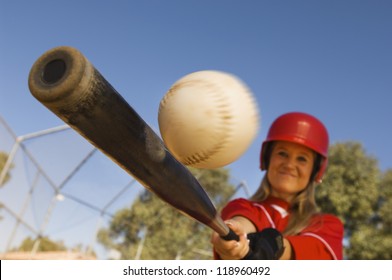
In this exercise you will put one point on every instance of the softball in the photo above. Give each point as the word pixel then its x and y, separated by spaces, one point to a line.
pixel 208 119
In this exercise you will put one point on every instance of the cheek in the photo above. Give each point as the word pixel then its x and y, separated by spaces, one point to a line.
pixel 305 172
pixel 274 162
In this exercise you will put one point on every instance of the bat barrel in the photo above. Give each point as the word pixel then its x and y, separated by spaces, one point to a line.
pixel 65 82
pixel 60 79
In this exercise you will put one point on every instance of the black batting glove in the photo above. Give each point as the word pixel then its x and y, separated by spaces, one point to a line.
pixel 265 245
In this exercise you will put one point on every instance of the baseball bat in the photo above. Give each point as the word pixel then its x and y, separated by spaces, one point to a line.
pixel 64 81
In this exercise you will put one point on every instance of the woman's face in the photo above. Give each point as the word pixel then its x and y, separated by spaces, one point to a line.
pixel 289 169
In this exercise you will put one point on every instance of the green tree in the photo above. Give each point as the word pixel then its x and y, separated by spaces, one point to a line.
pixel 45 245
pixel 385 203
pixel 349 189
pixel 355 190
pixel 3 160
pixel 150 229
pixel 373 240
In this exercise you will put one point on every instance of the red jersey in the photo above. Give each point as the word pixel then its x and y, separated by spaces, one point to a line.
pixel 322 239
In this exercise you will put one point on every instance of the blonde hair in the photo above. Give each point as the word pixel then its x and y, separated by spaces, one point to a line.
pixel 302 208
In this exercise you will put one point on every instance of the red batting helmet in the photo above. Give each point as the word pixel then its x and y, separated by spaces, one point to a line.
pixel 302 129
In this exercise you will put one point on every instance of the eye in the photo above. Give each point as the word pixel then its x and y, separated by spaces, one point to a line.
pixel 302 159
pixel 282 153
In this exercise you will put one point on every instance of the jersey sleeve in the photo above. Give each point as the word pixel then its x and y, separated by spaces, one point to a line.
pixel 323 239
pixel 246 209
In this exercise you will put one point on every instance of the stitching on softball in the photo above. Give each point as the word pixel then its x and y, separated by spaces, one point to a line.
pixel 223 125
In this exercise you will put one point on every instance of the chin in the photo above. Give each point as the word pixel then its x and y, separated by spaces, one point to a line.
pixel 286 188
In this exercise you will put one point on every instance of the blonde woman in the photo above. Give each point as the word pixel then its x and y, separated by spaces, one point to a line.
pixel 281 220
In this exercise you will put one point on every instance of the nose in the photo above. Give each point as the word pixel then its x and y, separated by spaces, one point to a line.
pixel 289 162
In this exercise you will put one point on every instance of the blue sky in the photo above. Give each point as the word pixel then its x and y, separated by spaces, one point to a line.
pixel 331 58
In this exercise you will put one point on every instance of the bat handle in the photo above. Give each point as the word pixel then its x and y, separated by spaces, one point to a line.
pixel 230 236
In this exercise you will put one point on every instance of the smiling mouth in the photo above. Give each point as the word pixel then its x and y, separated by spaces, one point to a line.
pixel 287 174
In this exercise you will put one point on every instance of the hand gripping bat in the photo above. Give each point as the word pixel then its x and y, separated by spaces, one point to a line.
pixel 65 82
